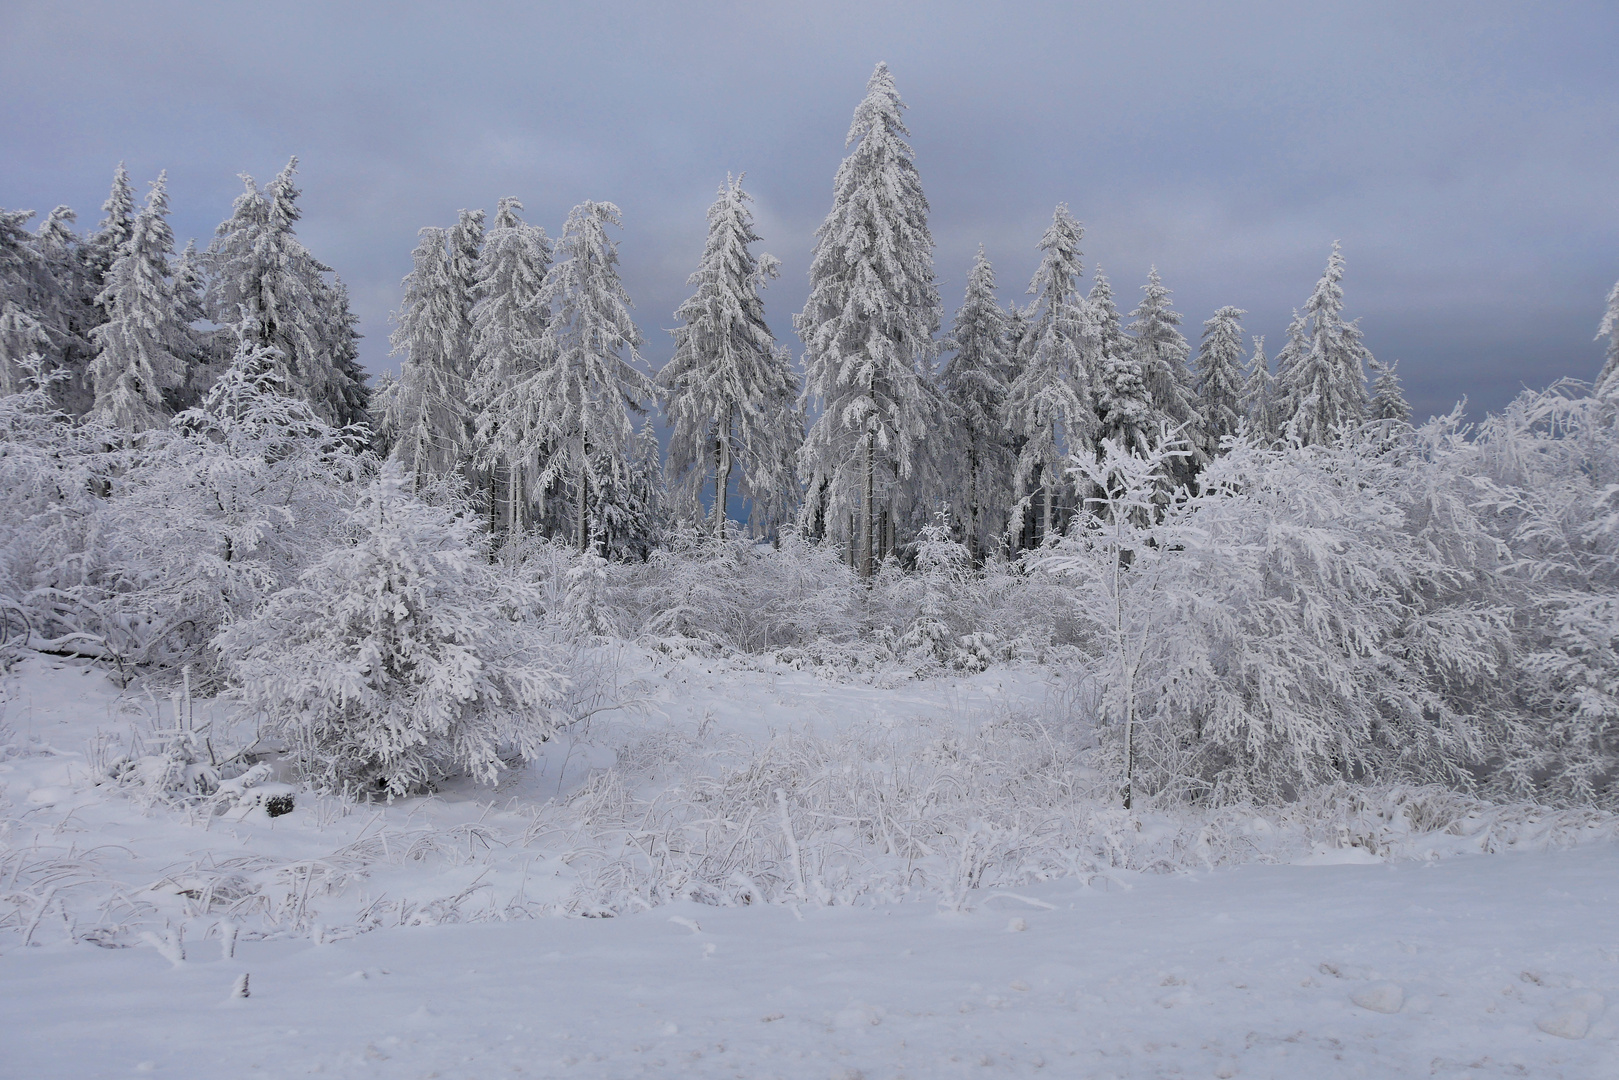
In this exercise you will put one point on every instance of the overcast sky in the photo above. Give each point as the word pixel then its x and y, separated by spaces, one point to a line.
pixel 1464 153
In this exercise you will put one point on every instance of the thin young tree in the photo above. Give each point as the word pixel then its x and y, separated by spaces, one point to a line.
pixel 974 382
pixel 869 324
pixel 1050 405
pixel 1325 386
pixel 145 346
pixel 1220 382
pixel 729 390
pixel 588 378
pixel 507 321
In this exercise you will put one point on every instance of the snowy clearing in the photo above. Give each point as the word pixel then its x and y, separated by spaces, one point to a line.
pixel 1350 950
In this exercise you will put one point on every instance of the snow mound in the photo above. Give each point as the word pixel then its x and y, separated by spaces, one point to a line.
pixel 1383 997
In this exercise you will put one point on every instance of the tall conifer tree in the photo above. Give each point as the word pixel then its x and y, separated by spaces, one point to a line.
pixel 869 324
pixel 974 382
pixel 588 378
pixel 258 270
pixel 145 347
pixel 1220 383
pixel 729 389
pixel 1324 382
pixel 1050 405
pixel 507 321
pixel 1259 395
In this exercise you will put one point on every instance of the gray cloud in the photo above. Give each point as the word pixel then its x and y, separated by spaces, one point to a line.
pixel 1463 152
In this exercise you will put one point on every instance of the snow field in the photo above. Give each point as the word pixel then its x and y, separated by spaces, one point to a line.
pixel 936 890
pixel 1253 971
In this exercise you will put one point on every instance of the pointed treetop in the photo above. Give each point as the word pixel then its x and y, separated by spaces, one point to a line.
pixel 1608 379
pixel 120 205
pixel 284 196
pixel 1388 395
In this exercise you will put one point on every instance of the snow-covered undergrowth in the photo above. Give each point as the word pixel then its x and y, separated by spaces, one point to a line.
pixel 753 786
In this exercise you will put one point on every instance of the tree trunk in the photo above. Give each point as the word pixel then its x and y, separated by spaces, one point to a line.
pixel 515 496
pixel 972 501
pixel 494 501
pixel 866 523
pixel 1045 510
pixel 722 479
pixel 581 530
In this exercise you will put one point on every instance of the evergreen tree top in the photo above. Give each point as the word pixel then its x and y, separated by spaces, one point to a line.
pixel 119 208
pixel 1056 281
pixel 1608 378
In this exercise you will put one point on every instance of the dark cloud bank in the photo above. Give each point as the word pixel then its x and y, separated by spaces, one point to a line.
pixel 1463 152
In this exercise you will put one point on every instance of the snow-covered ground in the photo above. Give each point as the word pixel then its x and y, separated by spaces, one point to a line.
pixel 430 937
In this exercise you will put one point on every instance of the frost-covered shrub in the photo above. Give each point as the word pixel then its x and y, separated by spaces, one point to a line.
pixel 401 658
pixel 1285 625
pixel 743 595
pixel 1543 476
pixel 229 504
pixel 140 547
pixel 51 471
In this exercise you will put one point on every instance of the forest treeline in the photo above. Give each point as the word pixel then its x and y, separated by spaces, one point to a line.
pixel 1269 577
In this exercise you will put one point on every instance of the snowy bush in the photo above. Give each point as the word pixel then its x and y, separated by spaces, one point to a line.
pixel 1283 626
pixel 1544 478
pixel 401 658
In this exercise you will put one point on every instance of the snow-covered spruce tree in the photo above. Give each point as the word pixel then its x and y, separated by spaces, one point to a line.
pixel 1259 404
pixel 429 415
pixel 1106 313
pixel 868 329
pixel 1325 384
pixel 401 659
pixel 578 400
pixel 206 365
pixel 145 349
pixel 68 307
pixel 943 567
pixel 1388 395
pixel 507 321
pixel 1050 405
pixel 102 246
pixel 1219 375
pixel 729 390
pixel 1161 355
pixel 1124 411
pixel 1285 406
pixel 1608 379
pixel 257 265
pixel 23 336
pixel 974 382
